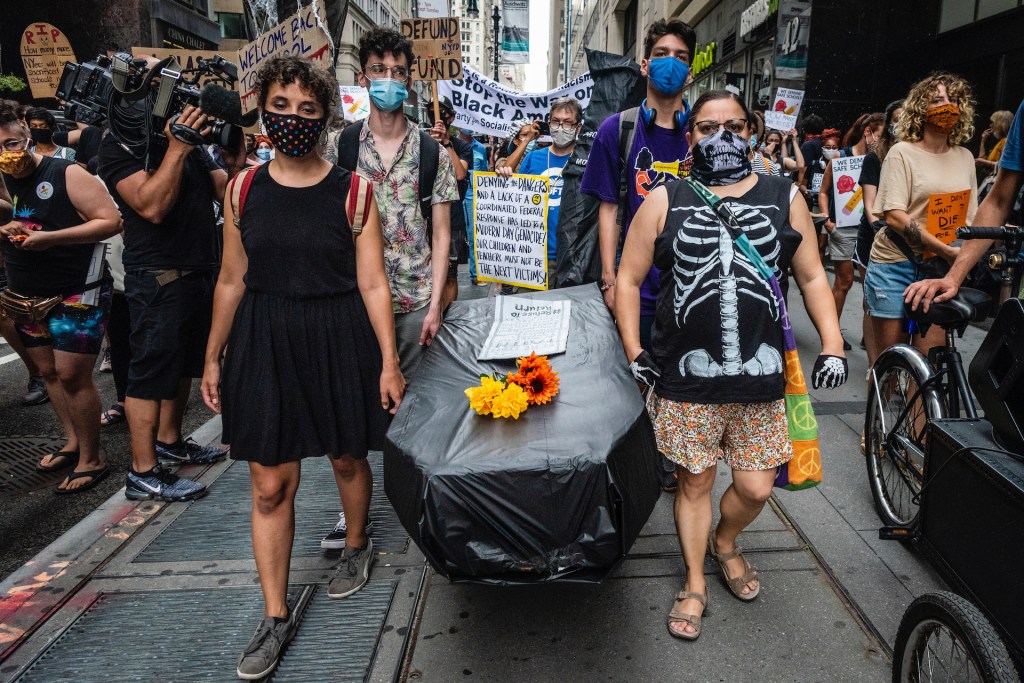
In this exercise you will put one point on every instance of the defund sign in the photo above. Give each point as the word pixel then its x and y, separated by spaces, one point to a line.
pixel 437 46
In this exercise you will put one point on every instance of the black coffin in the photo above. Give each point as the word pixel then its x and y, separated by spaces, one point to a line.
pixel 560 494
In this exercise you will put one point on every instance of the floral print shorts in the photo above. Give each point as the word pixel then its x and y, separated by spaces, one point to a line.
pixel 747 436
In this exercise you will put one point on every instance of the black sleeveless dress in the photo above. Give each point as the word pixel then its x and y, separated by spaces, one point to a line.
pixel 302 369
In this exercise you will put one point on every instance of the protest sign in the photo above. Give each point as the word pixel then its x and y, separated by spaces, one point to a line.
pixel 847 195
pixel 510 229
pixel 782 116
pixel 355 103
pixel 525 326
pixel 489 108
pixel 437 46
pixel 947 212
pixel 300 34
pixel 187 59
pixel 44 50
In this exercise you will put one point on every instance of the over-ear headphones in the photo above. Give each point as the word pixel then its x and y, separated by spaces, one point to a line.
pixel 650 115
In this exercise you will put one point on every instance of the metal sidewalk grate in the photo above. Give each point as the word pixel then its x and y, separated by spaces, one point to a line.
pixel 146 637
pixel 18 458
pixel 217 527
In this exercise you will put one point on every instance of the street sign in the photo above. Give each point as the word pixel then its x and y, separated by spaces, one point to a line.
pixel 437 46
pixel 44 50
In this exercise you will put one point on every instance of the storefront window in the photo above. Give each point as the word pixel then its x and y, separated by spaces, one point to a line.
pixel 957 13
pixel 231 25
pixel 987 8
pixel 761 77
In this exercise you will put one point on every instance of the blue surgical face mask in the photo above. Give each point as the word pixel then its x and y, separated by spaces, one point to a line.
pixel 753 141
pixel 387 94
pixel 263 154
pixel 667 75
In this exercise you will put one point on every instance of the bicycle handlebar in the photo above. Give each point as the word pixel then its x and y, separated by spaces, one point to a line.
pixel 978 233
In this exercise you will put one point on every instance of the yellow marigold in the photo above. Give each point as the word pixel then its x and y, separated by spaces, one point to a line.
pixel 482 397
pixel 510 403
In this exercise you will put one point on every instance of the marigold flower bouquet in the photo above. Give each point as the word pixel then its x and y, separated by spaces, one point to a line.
pixel 533 384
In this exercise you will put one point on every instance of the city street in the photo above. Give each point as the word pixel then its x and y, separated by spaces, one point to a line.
pixel 114 592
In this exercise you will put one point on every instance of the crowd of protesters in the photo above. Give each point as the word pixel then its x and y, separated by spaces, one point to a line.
pixel 306 345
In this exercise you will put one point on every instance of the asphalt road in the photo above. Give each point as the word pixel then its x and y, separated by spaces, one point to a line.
pixel 29 521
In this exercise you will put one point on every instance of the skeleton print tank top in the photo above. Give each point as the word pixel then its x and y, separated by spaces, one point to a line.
pixel 717 336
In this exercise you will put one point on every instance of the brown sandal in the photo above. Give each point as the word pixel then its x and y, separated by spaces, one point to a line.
pixel 735 585
pixel 677 617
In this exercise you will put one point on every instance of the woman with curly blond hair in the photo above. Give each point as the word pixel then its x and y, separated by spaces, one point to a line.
pixel 938 115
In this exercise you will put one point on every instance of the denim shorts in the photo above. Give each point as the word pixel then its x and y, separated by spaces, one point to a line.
pixel 884 285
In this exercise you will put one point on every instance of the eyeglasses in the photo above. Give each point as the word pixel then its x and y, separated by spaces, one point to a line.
pixel 378 70
pixel 734 126
pixel 15 145
pixel 562 125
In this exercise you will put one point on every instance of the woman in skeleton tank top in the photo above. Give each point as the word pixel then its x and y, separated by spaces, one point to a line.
pixel 716 362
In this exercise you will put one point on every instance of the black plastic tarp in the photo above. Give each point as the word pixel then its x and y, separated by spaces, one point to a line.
pixel 618 85
pixel 559 494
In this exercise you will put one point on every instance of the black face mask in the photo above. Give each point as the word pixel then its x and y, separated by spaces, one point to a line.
pixel 721 159
pixel 42 136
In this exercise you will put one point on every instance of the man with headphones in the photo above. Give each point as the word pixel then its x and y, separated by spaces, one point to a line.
pixel 657 130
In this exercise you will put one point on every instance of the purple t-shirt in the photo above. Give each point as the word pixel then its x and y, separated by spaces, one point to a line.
pixel 655 158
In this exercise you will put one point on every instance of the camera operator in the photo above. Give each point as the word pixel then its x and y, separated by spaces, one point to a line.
pixel 170 256
pixel 995 210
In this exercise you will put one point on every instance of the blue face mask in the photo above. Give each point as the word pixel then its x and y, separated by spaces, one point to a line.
pixel 387 94
pixel 667 75
pixel 753 141
pixel 263 154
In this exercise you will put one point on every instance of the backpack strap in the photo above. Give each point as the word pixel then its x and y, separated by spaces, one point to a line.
pixel 360 192
pixel 627 124
pixel 240 190
pixel 348 147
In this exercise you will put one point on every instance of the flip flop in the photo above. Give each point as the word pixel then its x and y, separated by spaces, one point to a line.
pixel 112 415
pixel 97 477
pixel 66 458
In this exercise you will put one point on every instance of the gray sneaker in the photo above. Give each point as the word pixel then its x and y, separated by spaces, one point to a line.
pixel 35 393
pixel 264 650
pixel 353 572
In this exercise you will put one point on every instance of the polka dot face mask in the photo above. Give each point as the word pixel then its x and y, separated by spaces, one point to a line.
pixel 291 134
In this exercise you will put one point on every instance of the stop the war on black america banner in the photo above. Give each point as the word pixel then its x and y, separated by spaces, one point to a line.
pixel 489 108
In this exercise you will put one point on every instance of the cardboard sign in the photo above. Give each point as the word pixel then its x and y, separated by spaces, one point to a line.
pixel 487 107
pixel 299 34
pixel 44 50
pixel 188 59
pixel 510 229
pixel 355 102
pixel 847 195
pixel 437 45
pixel 946 213
pixel 783 114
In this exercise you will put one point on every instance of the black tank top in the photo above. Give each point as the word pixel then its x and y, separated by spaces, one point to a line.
pixel 41 201
pixel 717 335
pixel 298 239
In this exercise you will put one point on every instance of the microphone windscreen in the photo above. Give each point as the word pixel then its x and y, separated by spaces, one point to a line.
pixel 220 103
pixel 250 119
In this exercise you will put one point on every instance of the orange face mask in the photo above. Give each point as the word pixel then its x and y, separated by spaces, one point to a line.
pixel 944 117
pixel 14 163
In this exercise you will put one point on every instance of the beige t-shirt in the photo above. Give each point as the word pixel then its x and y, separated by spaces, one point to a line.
pixel 910 176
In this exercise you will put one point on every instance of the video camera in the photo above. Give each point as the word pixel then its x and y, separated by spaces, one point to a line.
pixel 137 101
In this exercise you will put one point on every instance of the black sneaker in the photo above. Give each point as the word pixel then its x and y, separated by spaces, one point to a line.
pixel 336 539
pixel 188 452
pixel 160 484
pixel 263 652
pixel 35 393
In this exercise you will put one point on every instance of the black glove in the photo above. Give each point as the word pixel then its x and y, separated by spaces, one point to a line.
pixel 644 369
pixel 830 372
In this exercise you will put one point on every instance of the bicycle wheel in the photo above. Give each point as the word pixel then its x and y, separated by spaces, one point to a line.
pixel 943 637
pixel 895 446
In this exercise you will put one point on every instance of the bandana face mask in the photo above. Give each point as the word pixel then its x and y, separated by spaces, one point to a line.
pixel 944 118
pixel 721 159
pixel 293 135
pixel 15 163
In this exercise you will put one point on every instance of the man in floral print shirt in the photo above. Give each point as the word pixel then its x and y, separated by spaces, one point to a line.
pixel 389 156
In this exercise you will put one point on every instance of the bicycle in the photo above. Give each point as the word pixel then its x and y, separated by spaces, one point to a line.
pixel 908 390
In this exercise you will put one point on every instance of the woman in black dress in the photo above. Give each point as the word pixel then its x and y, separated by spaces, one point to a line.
pixel 310 365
